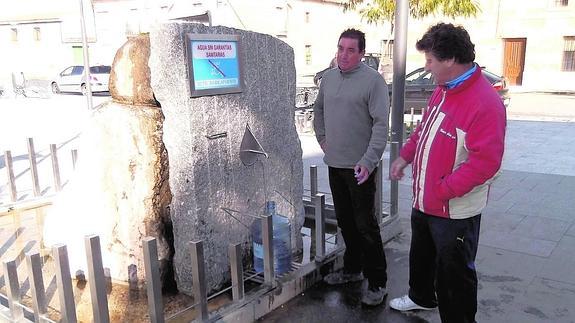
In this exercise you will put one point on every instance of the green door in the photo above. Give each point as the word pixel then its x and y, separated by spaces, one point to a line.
pixel 78 55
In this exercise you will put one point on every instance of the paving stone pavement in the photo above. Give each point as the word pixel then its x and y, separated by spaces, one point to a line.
pixel 525 260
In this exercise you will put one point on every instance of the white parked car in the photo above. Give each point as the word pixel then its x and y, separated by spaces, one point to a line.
pixel 72 79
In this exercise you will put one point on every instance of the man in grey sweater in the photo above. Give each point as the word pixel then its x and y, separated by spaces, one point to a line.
pixel 351 124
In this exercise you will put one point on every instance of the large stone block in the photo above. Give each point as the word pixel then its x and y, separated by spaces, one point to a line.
pixel 206 175
pixel 130 74
pixel 119 192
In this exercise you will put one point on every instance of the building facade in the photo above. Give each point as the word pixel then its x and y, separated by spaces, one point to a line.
pixel 531 42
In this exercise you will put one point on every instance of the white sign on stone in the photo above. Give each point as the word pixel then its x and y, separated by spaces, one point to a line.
pixel 214 64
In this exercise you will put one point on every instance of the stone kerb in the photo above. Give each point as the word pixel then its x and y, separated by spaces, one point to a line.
pixel 207 175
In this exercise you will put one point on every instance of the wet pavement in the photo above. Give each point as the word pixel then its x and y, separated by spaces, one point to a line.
pixel 525 260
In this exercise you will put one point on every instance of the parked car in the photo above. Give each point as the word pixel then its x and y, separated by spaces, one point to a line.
pixel 72 79
pixel 419 84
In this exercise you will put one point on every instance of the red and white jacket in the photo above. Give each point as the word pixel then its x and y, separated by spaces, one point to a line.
pixel 457 149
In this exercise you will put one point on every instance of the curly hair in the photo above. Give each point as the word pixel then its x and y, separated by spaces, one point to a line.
pixel 354 34
pixel 446 41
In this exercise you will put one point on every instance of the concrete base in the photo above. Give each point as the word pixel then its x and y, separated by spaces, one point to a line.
pixel 267 298
pixel 389 225
pixel 390 228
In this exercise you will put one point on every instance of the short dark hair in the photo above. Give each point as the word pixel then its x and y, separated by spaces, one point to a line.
pixel 354 34
pixel 446 41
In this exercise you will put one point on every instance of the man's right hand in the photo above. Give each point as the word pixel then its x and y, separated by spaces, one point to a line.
pixel 396 171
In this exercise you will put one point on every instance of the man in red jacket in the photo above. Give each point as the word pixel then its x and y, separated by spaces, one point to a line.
pixel 455 154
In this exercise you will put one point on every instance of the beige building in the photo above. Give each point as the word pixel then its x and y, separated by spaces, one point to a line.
pixel 531 42
pixel 44 40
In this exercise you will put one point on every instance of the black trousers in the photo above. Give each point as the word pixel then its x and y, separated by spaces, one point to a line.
pixel 442 263
pixel 355 211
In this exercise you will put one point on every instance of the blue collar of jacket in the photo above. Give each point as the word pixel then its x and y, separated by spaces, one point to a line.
pixel 458 80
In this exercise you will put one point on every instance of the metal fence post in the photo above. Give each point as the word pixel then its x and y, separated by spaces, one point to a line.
pixel 74 157
pixel 412 122
pixel 339 238
pixel 154 290
pixel 13 290
pixel 10 175
pixel 267 239
pixel 394 189
pixel 64 283
pixel 379 191
pixel 34 264
pixel 55 167
pixel 96 279
pixel 313 180
pixel 319 203
pixel 237 272
pixel 199 278
pixel 33 167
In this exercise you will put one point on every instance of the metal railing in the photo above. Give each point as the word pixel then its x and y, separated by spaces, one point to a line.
pixel 18 311
pixel 14 195
pixel 303 119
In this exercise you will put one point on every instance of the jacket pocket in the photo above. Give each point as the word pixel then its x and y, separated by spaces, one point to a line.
pixel 442 192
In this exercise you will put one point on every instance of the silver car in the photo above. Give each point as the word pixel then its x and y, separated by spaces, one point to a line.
pixel 72 79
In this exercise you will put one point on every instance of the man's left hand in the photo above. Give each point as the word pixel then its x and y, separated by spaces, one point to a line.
pixel 361 174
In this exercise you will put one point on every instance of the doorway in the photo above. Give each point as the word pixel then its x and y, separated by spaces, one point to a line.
pixel 78 55
pixel 514 60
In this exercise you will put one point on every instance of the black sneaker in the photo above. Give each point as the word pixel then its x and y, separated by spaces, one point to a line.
pixel 373 296
pixel 340 277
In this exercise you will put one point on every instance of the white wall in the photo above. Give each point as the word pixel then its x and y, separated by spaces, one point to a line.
pixel 539 21
pixel 36 58
pixel 543 24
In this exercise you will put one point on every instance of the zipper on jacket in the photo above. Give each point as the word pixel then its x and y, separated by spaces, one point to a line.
pixel 440 106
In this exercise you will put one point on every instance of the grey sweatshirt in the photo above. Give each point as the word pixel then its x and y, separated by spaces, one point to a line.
pixel 351 115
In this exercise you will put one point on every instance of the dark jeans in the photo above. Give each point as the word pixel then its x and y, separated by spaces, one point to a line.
pixel 442 262
pixel 355 211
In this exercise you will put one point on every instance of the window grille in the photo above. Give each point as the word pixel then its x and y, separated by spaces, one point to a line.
pixel 387 48
pixel 37 34
pixel 569 54
pixel 307 54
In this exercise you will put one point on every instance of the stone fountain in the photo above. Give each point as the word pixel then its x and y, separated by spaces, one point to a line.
pixel 155 161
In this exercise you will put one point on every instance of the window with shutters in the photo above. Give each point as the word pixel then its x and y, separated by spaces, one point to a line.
pixel 14 34
pixel 387 48
pixel 569 54
pixel 36 33
pixel 307 54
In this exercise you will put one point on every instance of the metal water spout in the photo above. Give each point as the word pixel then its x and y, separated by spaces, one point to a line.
pixel 250 148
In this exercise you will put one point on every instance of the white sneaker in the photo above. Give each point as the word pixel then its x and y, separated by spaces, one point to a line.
pixel 405 303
